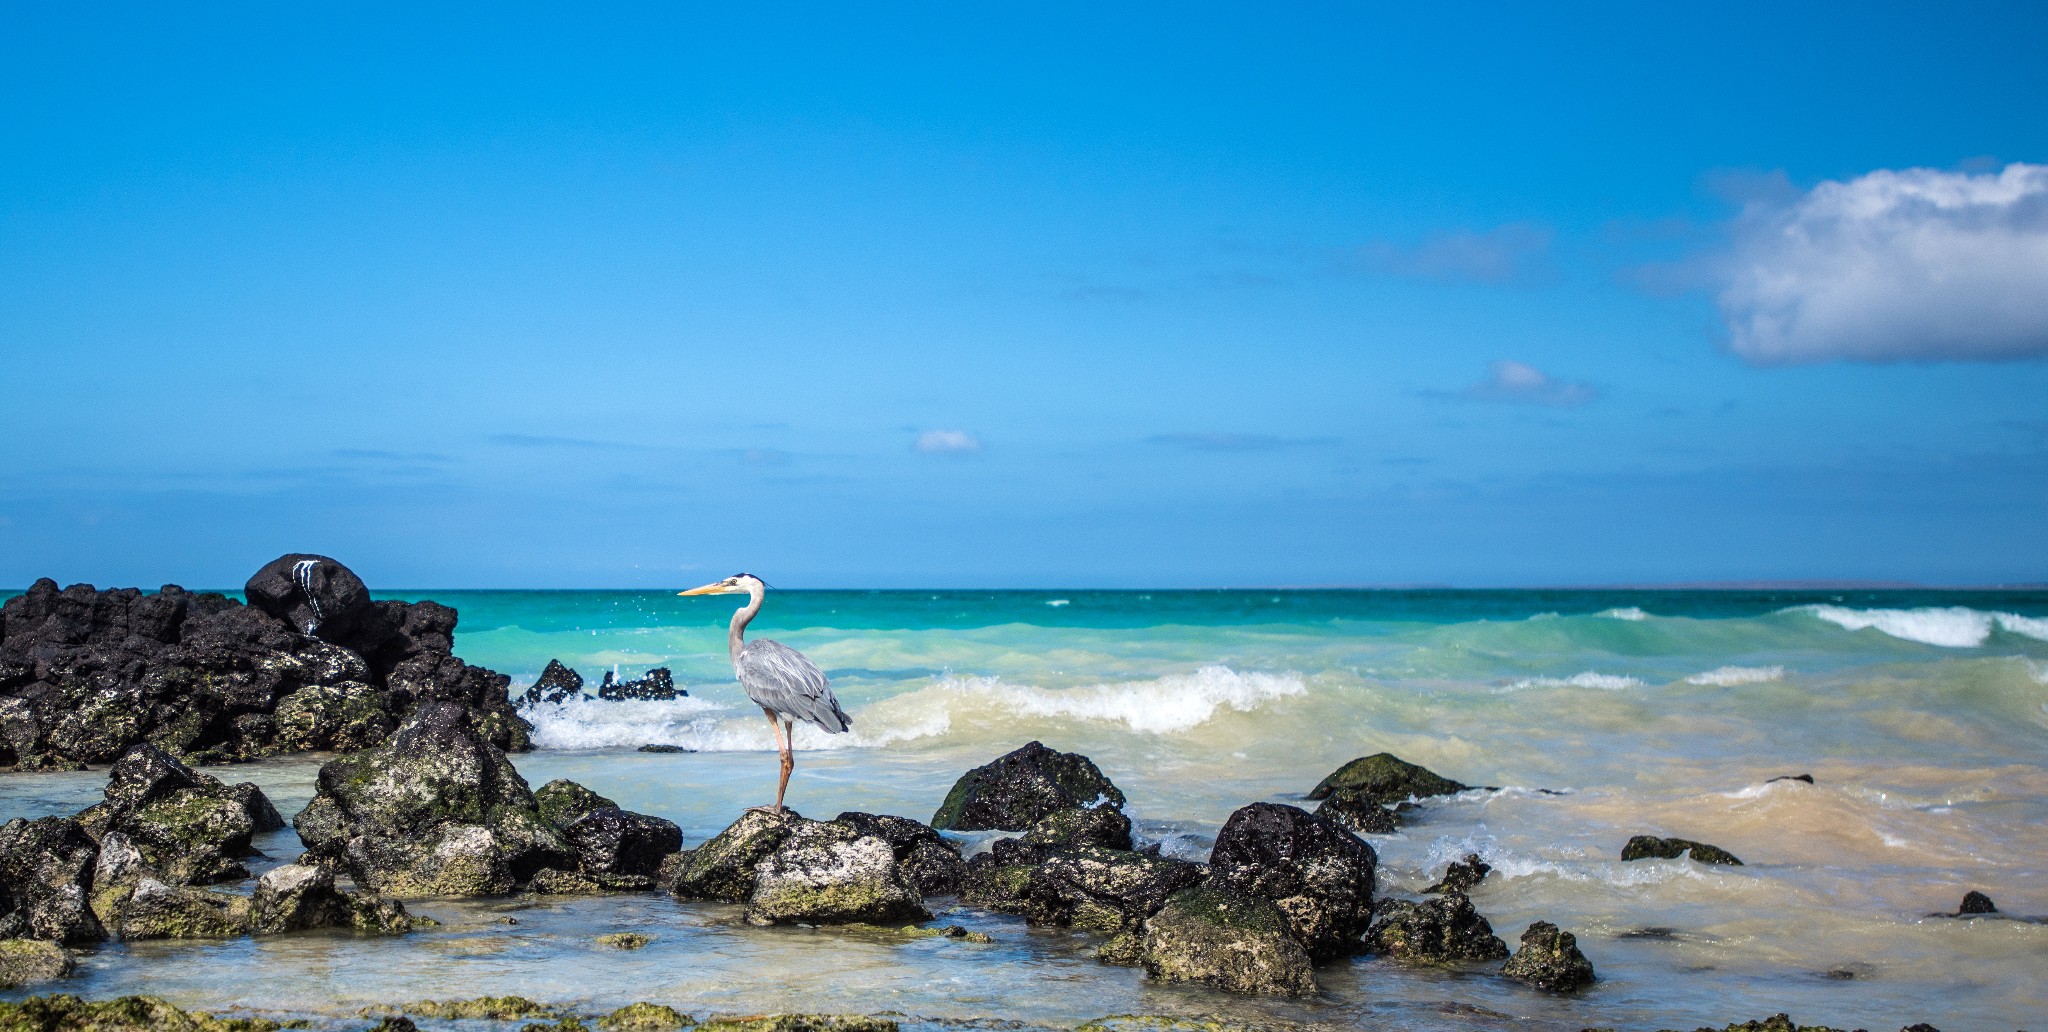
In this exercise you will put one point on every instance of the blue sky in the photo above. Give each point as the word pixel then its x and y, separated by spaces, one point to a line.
pixel 849 295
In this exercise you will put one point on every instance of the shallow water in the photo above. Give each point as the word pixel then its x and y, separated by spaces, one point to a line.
pixel 1921 716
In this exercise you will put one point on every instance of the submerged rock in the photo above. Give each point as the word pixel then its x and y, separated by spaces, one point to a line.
pixel 1102 825
pixel 1650 847
pixel 438 812
pixel 1461 875
pixel 825 873
pixel 1550 959
pixel 928 863
pixel 645 1017
pixel 46 868
pixel 1320 876
pixel 1020 788
pixel 31 960
pixel 723 867
pixel 1439 931
pixel 1384 779
pixel 623 940
pixel 1975 902
pixel 1234 943
pixel 557 683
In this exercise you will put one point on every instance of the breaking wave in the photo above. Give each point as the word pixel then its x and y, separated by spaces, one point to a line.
pixel 1589 679
pixel 1630 613
pixel 1730 676
pixel 1165 705
pixel 1954 627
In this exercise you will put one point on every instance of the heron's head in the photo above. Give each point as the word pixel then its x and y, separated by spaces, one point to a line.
pixel 737 584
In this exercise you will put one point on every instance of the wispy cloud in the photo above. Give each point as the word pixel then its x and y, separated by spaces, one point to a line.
pixel 1515 253
pixel 1237 442
pixel 1914 265
pixel 946 442
pixel 1521 383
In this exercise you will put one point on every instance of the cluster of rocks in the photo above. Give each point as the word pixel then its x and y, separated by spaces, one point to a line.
pixel 310 662
pixel 135 866
pixel 559 682
pixel 440 811
pixel 788 869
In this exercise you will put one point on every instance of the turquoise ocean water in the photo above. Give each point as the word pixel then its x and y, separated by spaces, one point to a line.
pixel 1922 716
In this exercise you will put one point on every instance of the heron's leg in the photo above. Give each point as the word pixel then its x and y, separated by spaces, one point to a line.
pixel 788 761
pixel 775 726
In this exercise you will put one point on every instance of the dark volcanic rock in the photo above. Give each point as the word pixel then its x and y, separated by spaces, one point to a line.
pixel 85 675
pixel 928 863
pixel 1550 959
pixel 189 827
pixel 1020 788
pixel 31 960
pixel 1650 847
pixel 561 801
pixel 1233 943
pixel 46 870
pixel 1319 875
pixel 1359 814
pixel 438 812
pixel 827 873
pixel 1808 778
pixel 556 683
pixel 611 841
pixel 1461 875
pixel 1975 902
pixel 1103 890
pixel 723 867
pixel 314 594
pixel 658 684
pixel 298 896
pixel 1384 779
pixel 1104 825
pixel 1438 931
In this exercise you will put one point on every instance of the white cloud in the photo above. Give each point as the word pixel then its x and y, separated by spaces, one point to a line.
pixel 947 442
pixel 1916 265
pixel 1523 383
pixel 1514 253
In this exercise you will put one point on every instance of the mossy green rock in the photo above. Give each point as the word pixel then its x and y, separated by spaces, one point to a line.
pixel 1163 1023
pixel 1650 847
pixel 298 896
pixel 1775 1023
pixel 645 1017
pixel 191 828
pixel 66 1013
pixel 158 910
pixel 1237 944
pixel 826 873
pixel 494 1008
pixel 1022 787
pixel 1446 930
pixel 723 868
pixel 799 1023
pixel 562 801
pixel 46 868
pixel 345 717
pixel 1103 890
pixel 1550 959
pixel 31 960
pixel 1383 779
pixel 1104 825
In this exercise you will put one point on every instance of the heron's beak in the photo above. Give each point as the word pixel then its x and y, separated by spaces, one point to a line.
pixel 714 588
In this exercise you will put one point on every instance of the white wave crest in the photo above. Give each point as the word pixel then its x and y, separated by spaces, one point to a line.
pixel 1953 627
pixel 1631 613
pixel 1589 679
pixel 1730 676
pixel 1166 705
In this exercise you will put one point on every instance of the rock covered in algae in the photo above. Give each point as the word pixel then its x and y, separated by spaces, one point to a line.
pixel 1461 875
pixel 1383 779
pixel 645 1017
pixel 624 940
pixel 1239 944
pixel 1784 1023
pixel 723 867
pixel 439 811
pixel 1022 787
pixel 1320 876
pixel 189 826
pixel 1550 959
pixel 298 896
pixel 1103 890
pixel 929 864
pixel 66 1013
pixel 1102 825
pixel 1650 847
pixel 45 879
pixel 155 909
pixel 491 1008
pixel 31 960
pixel 799 1023
pixel 1445 930
pixel 825 873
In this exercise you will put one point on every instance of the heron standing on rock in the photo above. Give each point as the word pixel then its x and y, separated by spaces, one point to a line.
pixel 778 678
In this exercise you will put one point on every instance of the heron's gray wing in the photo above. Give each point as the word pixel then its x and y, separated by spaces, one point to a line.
pixel 780 678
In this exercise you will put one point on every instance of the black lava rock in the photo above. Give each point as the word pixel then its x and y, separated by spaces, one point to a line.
pixel 1318 874
pixel 1461 875
pixel 556 684
pixel 46 868
pixel 1650 847
pixel 1550 959
pixel 313 593
pixel 1439 931
pixel 1020 788
pixel 1975 902
pixel 928 863
pixel 657 685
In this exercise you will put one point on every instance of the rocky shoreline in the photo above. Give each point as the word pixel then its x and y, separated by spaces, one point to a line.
pixel 424 802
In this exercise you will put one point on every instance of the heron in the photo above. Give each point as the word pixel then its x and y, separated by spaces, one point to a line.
pixel 778 678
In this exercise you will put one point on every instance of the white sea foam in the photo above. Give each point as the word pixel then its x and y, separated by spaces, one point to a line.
pixel 1165 705
pixel 2030 626
pixel 1630 613
pixel 1730 676
pixel 1589 679
pixel 1954 627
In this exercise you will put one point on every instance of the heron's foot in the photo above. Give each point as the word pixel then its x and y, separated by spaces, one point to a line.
pixel 777 808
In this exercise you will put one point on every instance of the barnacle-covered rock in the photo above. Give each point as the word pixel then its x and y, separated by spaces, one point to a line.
pixel 1445 930
pixel 825 873
pixel 927 862
pixel 1320 876
pixel 1238 944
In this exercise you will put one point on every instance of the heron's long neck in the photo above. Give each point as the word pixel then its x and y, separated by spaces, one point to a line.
pixel 742 616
